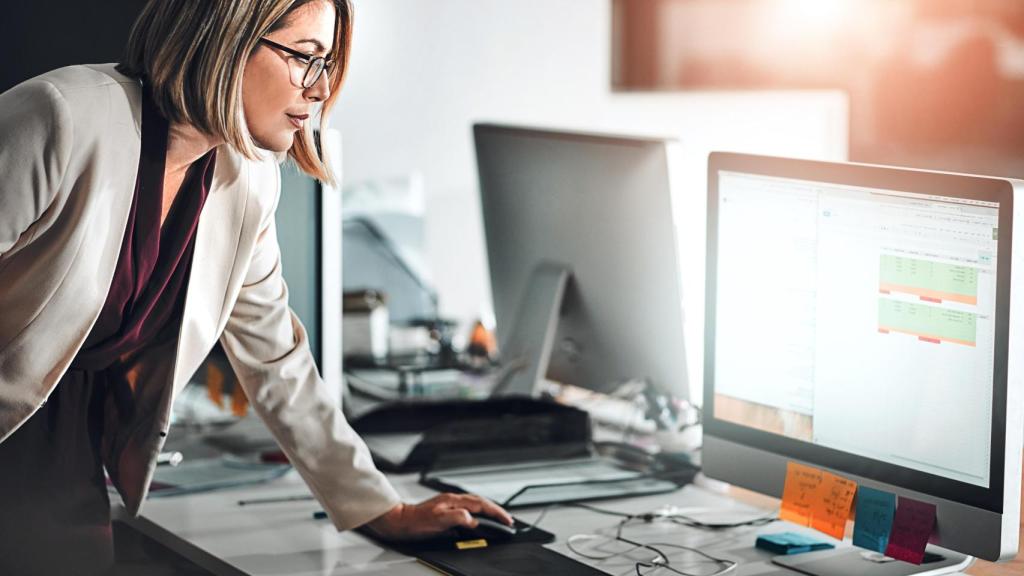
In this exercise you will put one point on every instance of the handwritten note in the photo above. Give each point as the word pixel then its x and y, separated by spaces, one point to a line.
pixel 833 506
pixel 875 511
pixel 800 493
pixel 911 528
pixel 817 499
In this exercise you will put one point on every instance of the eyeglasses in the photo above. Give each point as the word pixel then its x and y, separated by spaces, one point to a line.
pixel 315 65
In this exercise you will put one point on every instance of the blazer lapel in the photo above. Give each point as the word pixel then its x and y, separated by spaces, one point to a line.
pixel 213 262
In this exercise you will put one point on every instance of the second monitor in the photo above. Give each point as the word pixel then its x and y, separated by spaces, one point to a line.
pixel 583 257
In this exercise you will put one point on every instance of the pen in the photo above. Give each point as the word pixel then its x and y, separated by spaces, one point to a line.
pixel 275 499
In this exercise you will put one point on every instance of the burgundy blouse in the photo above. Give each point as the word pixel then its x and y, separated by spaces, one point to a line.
pixel 147 294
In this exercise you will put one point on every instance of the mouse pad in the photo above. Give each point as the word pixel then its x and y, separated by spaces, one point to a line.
pixel 448 542
pixel 508 559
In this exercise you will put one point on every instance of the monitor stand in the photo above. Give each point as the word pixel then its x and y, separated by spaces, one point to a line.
pixel 860 562
pixel 528 351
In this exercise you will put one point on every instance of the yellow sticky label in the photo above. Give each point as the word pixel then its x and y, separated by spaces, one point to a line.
pixel 470 544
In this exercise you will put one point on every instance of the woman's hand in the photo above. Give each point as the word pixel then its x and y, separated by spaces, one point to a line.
pixel 434 516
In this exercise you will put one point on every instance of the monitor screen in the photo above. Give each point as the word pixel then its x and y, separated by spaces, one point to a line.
pixel 865 319
pixel 858 320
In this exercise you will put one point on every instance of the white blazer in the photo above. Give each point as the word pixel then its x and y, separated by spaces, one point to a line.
pixel 69 156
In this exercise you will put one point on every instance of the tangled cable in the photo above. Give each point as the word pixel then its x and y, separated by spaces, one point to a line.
pixel 661 559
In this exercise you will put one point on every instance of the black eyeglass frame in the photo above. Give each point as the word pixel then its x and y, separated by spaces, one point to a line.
pixel 311 61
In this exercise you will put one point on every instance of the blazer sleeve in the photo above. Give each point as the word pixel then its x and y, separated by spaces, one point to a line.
pixel 36 131
pixel 269 352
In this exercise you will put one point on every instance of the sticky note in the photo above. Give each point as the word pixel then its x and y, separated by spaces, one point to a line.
pixel 800 492
pixel 911 528
pixel 790 543
pixel 817 499
pixel 832 507
pixel 875 511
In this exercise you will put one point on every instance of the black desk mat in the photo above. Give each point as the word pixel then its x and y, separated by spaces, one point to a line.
pixel 529 559
pixel 522 554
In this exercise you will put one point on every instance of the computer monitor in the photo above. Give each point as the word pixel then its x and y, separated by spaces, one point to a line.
pixel 583 258
pixel 867 320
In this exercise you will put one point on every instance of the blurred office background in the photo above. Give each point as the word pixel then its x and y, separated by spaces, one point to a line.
pixel 929 83
pixel 423 72
pixel 932 83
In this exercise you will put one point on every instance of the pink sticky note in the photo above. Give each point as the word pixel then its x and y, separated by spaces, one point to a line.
pixel 911 529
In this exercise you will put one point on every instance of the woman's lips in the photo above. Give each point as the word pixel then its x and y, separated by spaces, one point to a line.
pixel 297 119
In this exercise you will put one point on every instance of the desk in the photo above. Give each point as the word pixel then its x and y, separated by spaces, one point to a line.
pixel 283 538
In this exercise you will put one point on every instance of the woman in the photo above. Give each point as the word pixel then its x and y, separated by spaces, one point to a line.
pixel 136 228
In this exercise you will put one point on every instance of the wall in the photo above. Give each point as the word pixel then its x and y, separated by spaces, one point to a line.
pixel 36 37
pixel 422 72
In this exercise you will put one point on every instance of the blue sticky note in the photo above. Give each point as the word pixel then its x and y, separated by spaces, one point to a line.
pixel 790 543
pixel 875 512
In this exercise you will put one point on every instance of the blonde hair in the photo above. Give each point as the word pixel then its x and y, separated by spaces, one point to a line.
pixel 192 54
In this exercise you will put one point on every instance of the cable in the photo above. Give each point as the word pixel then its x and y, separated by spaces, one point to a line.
pixel 662 560
pixel 729 565
pixel 544 512
pixel 600 510
pixel 576 537
pixel 679 518
pixel 540 517
pixel 685 520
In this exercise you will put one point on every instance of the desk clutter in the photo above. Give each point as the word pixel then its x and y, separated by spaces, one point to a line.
pixel 417 377
pixel 550 481
pixel 372 338
pixel 898 527
pixel 206 474
pixel 449 433
pixel 421 363
pixel 516 451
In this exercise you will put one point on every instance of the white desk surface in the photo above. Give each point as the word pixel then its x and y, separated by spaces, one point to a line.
pixel 284 539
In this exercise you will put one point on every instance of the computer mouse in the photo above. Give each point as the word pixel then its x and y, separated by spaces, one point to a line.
pixel 487 529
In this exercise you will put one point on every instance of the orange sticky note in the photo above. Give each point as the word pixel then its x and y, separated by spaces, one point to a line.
pixel 832 507
pixel 817 499
pixel 800 493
